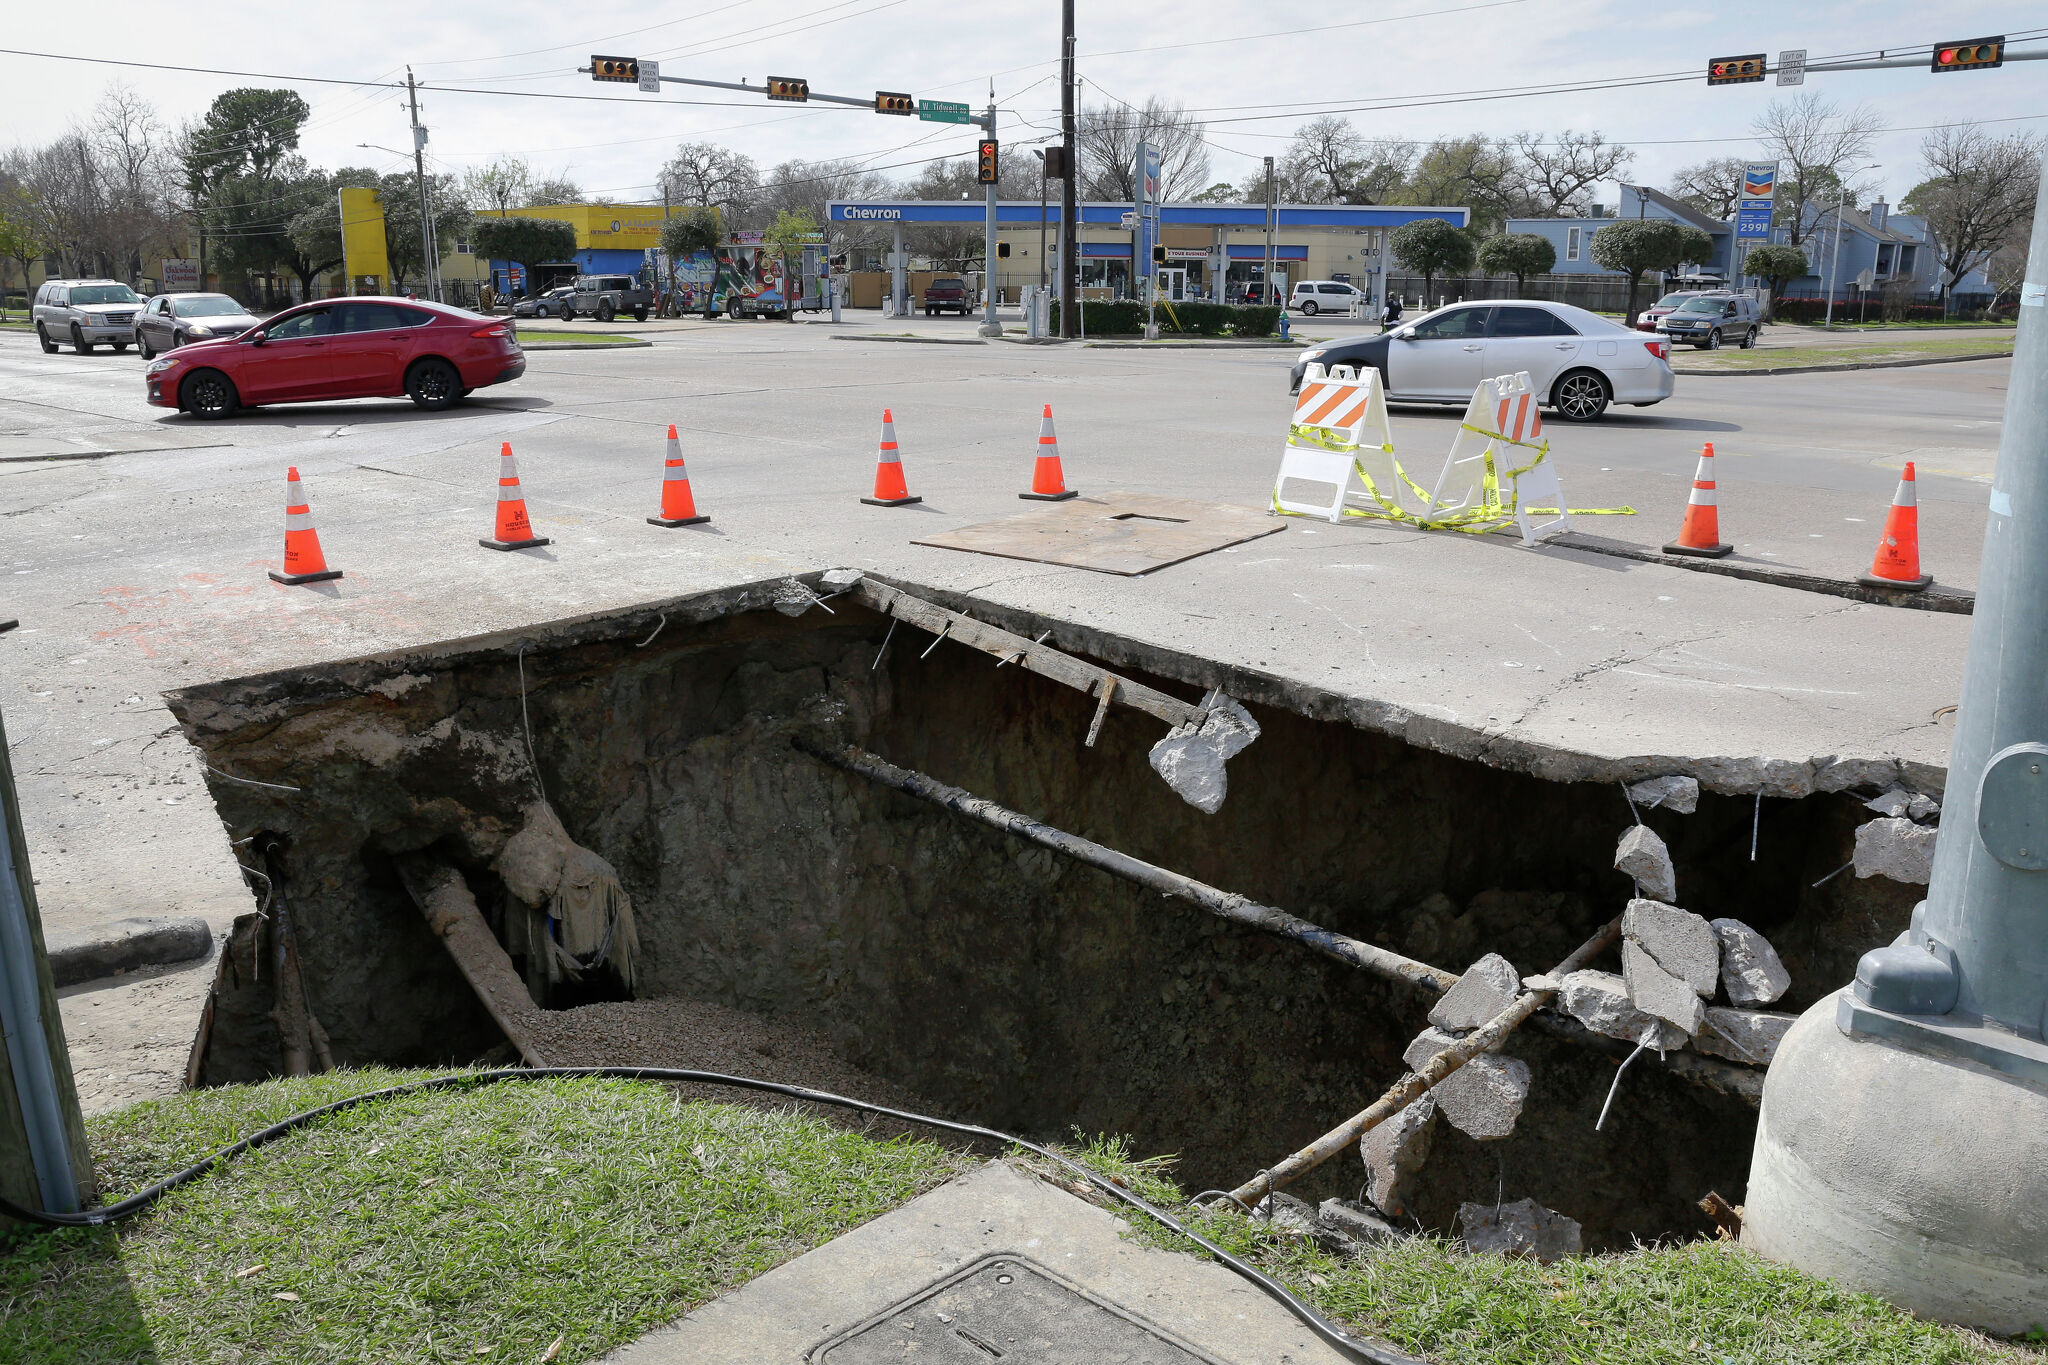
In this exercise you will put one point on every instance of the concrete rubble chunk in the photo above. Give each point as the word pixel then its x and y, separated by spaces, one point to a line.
pixel 1394 1153
pixel 1351 1219
pixel 1750 970
pixel 1642 855
pixel 1923 810
pixel 1523 1228
pixel 839 580
pixel 1191 759
pixel 792 598
pixel 1750 1036
pixel 1892 803
pixel 1481 1099
pixel 1487 987
pixel 1681 794
pixel 1289 1214
pixel 1896 848
pixel 1683 944
pixel 1599 1000
pixel 1544 982
pixel 1655 991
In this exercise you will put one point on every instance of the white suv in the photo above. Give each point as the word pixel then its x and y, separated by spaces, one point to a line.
pixel 85 313
pixel 1318 296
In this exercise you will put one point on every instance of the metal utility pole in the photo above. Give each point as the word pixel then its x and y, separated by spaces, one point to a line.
pixel 1266 285
pixel 989 326
pixel 1070 225
pixel 1042 263
pixel 430 264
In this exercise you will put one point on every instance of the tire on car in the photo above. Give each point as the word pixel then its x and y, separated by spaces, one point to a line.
pixel 605 311
pixel 78 341
pixel 43 338
pixel 639 315
pixel 1309 308
pixel 208 395
pixel 1580 396
pixel 142 345
pixel 433 384
pixel 1749 339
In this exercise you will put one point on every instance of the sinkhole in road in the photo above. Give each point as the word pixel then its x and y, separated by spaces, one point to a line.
pixel 989 979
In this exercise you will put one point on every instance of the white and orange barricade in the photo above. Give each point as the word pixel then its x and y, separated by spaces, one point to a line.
pixel 1340 433
pixel 1499 469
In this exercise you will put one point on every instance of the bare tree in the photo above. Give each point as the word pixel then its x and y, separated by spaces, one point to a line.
pixel 1331 162
pixel 555 189
pixel 1473 171
pixel 1978 197
pixel 1108 137
pixel 499 187
pixel 716 177
pixel 1558 174
pixel 1713 187
pixel 131 149
pixel 810 186
pixel 1815 144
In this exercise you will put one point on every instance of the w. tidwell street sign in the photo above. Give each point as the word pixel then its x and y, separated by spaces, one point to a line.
pixel 943 111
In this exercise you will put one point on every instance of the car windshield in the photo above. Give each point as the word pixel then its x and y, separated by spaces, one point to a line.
pixel 206 306
pixel 102 293
pixel 1671 300
pixel 1703 305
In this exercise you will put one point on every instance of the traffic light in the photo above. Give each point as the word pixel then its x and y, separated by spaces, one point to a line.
pixel 615 69
pixel 1159 255
pixel 1736 70
pixel 1002 251
pixel 889 102
pixel 985 165
pixel 788 88
pixel 1977 54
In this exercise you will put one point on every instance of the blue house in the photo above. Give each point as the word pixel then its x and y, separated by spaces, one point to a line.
pixel 1573 237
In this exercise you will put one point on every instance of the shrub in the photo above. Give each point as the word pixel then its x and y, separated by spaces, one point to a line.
pixel 1126 317
pixel 1256 320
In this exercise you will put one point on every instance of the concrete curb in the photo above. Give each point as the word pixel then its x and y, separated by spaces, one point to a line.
pixel 918 341
pixel 125 944
pixel 623 344
pixel 1960 601
pixel 1851 365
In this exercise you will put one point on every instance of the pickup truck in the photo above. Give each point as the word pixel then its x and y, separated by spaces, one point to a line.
pixel 943 294
pixel 604 297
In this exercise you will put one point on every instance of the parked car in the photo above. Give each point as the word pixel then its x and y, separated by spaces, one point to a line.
pixel 604 297
pixel 84 313
pixel 947 294
pixel 1316 296
pixel 346 348
pixel 552 303
pixel 1579 361
pixel 1647 320
pixel 168 321
pixel 1711 319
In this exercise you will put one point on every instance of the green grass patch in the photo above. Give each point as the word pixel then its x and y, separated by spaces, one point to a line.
pixel 1709 1303
pixel 526 334
pixel 474 1225
pixel 1859 352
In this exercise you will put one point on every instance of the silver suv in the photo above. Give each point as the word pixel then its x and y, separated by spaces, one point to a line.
pixel 85 313
pixel 1708 320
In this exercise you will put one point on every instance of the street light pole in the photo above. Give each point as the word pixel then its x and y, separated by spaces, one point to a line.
pixel 1070 224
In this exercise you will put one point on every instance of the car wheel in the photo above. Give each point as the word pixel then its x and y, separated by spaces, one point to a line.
pixel 605 312
pixel 142 345
pixel 78 341
pixel 1580 396
pixel 208 395
pixel 433 384
pixel 1714 340
pixel 43 338
pixel 1749 340
pixel 1309 308
pixel 732 307
pixel 540 310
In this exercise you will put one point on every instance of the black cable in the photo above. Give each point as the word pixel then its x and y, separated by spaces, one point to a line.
pixel 1358 1348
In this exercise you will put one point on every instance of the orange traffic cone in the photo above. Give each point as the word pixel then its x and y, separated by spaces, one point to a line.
pixel 1699 535
pixel 303 562
pixel 678 508
pixel 1048 482
pixel 1897 562
pixel 515 532
pixel 890 490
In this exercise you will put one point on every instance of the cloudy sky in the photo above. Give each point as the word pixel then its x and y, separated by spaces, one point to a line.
pixel 1253 71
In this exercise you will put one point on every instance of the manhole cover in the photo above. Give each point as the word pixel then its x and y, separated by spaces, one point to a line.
pixel 1005 1307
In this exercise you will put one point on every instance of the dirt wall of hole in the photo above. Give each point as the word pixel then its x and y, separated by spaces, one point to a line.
pixel 1001 983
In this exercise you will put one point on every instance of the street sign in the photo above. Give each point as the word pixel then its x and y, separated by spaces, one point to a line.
pixel 1792 66
pixel 1128 221
pixel 1759 184
pixel 1753 224
pixel 650 78
pixel 1736 70
pixel 943 111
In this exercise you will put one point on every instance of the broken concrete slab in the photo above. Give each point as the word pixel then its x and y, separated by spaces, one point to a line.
pixel 122 945
pixel 1394 1153
pixel 1682 943
pixel 1895 847
pixel 1751 972
pixel 1923 810
pixel 1750 1036
pixel 1680 794
pixel 1642 855
pixel 1523 1228
pixel 1351 1219
pixel 1481 1099
pixel 1599 1000
pixel 1191 759
pixel 1655 991
pixel 1487 987
pixel 1288 1213
pixel 1894 803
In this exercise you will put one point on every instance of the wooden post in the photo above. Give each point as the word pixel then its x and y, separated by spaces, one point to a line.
pixel 19 1179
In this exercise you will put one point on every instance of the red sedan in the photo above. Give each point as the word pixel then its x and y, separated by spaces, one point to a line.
pixel 342 348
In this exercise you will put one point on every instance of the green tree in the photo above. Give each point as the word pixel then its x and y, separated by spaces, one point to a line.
pixel 694 231
pixel 1633 246
pixel 21 236
pixel 1520 254
pixel 792 230
pixel 1431 247
pixel 1780 265
pixel 245 136
pixel 527 241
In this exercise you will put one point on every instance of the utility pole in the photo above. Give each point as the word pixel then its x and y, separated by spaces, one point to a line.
pixel 1070 225
pixel 431 266
pixel 1266 286
pixel 989 326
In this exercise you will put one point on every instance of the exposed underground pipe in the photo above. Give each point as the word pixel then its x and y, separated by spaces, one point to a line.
pixel 451 912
